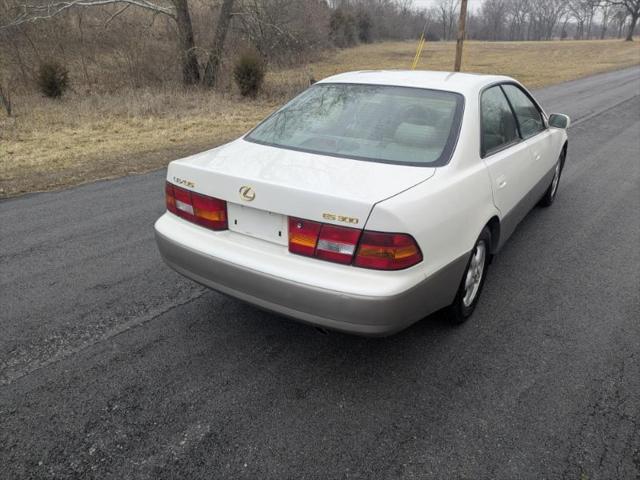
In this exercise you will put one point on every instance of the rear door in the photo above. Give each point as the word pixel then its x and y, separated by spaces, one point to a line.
pixel 507 157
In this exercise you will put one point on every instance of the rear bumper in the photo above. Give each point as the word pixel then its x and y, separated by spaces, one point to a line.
pixel 346 312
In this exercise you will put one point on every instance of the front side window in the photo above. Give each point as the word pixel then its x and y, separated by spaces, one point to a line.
pixel 499 127
pixel 378 123
pixel 528 115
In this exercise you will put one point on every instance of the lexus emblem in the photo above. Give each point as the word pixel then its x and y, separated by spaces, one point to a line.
pixel 247 194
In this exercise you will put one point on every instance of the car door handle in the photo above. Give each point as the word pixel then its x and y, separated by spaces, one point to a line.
pixel 501 181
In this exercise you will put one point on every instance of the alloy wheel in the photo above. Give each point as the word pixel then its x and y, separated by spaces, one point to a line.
pixel 473 279
pixel 556 180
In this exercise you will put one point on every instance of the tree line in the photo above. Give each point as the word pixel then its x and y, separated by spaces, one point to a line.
pixel 192 41
pixel 153 38
pixel 500 20
pixel 547 19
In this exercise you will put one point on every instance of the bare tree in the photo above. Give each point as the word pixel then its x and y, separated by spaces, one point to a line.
pixel 187 46
pixel 620 16
pixel 545 15
pixel 605 10
pixel 5 99
pixel 215 54
pixel 633 10
pixel 29 11
pixel 272 26
pixel 494 13
pixel 447 10
pixel 582 12
pixel 518 12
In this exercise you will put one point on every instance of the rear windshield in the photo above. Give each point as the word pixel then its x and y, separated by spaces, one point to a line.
pixel 378 123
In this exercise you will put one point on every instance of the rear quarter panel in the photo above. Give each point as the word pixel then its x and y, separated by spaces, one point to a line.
pixel 446 213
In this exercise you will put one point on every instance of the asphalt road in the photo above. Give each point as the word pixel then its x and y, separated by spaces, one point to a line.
pixel 113 366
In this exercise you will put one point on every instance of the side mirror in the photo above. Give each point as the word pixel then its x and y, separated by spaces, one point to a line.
pixel 559 120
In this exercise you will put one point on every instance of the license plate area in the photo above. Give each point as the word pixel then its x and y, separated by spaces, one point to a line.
pixel 258 223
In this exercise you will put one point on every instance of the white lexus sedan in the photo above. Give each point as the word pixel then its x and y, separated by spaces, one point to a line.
pixel 367 202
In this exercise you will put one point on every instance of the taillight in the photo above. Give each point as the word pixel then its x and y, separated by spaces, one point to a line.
pixel 381 251
pixel 170 197
pixel 303 236
pixel 337 244
pixel 184 208
pixel 206 211
pixel 387 251
pixel 210 212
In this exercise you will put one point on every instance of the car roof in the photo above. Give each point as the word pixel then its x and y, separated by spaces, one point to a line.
pixel 465 83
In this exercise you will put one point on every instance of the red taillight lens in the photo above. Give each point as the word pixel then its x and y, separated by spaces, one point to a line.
pixel 210 212
pixel 387 251
pixel 170 197
pixel 206 211
pixel 337 244
pixel 380 251
pixel 303 236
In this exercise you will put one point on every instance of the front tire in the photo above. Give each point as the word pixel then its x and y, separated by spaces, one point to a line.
pixel 473 280
pixel 550 194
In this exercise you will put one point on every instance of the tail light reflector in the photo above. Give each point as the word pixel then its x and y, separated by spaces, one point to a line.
pixel 387 251
pixel 337 244
pixel 207 211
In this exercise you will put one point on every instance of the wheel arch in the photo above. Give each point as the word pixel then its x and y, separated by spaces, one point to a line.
pixel 564 150
pixel 494 227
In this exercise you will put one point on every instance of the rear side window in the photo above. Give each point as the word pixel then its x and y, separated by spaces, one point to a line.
pixel 498 123
pixel 527 113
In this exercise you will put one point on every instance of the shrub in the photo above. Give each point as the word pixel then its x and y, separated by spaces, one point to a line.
pixel 53 79
pixel 432 37
pixel 365 27
pixel 343 30
pixel 249 74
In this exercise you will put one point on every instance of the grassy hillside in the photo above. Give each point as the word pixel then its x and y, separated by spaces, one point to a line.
pixel 535 64
pixel 52 144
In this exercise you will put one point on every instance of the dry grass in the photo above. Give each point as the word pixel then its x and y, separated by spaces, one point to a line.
pixel 51 144
pixel 535 64
pixel 57 143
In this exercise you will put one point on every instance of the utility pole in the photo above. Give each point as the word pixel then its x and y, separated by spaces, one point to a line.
pixel 461 31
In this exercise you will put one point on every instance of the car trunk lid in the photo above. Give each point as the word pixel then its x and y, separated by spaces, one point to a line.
pixel 315 187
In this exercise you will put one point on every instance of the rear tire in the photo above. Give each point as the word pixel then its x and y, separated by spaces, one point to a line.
pixel 550 195
pixel 473 280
